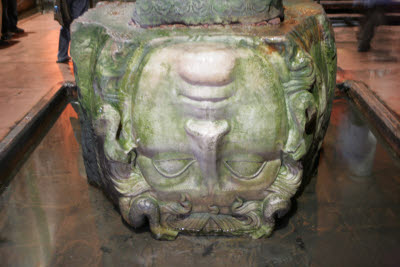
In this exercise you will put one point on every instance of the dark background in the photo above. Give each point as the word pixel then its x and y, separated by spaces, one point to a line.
pixel 24 5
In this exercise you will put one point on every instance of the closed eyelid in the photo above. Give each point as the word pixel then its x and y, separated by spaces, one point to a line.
pixel 175 174
pixel 163 160
pixel 245 177
pixel 250 161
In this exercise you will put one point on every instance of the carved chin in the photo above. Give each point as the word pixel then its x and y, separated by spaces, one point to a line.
pixel 253 218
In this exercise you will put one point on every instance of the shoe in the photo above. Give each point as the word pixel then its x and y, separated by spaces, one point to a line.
pixel 364 47
pixel 64 60
pixel 4 43
pixel 6 36
pixel 17 30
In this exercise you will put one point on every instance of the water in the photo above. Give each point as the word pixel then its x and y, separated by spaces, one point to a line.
pixel 349 215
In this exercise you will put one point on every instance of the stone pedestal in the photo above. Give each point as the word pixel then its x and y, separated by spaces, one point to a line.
pixel 205 125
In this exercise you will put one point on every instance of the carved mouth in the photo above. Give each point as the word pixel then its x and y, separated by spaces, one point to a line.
pixel 245 217
pixel 205 106
pixel 213 223
pixel 201 103
pixel 205 98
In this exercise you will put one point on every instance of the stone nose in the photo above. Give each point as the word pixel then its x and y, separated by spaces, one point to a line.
pixel 205 137
pixel 207 67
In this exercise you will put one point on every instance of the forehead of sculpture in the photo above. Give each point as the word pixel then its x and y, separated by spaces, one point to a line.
pixel 220 83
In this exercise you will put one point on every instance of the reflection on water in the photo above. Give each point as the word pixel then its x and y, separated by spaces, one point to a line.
pixel 356 144
pixel 348 215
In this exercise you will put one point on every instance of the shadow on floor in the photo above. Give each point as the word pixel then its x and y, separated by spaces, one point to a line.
pixel 8 44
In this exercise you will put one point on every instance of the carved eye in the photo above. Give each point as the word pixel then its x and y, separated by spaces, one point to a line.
pixel 172 165
pixel 245 167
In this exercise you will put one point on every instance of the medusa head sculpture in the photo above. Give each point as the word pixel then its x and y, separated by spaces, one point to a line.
pixel 202 130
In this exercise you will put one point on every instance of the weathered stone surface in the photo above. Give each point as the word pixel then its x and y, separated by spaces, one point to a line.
pixel 205 64
pixel 204 130
pixel 194 12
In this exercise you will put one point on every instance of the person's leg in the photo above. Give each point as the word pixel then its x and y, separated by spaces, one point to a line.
pixel 1 14
pixel 362 21
pixel 4 27
pixel 63 45
pixel 367 31
pixel 65 38
pixel 2 42
pixel 375 17
pixel 78 7
pixel 12 15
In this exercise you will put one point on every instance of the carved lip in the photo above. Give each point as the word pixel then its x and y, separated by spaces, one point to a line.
pixel 206 93
pixel 201 103
pixel 205 98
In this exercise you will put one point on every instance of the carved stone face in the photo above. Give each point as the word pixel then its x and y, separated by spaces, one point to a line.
pixel 210 123
pixel 202 129
pixel 209 134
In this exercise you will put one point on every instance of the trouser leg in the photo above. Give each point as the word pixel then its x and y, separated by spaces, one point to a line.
pixel 78 7
pixel 4 26
pixel 63 43
pixel 370 25
pixel 367 30
pixel 374 17
pixel 12 14
pixel 1 14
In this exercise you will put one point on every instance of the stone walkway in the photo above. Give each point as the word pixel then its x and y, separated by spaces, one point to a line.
pixel 379 68
pixel 29 72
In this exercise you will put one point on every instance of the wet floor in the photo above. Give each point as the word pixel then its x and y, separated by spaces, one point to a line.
pixel 349 215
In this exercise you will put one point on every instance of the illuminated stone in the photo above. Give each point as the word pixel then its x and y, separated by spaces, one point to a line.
pixel 205 130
